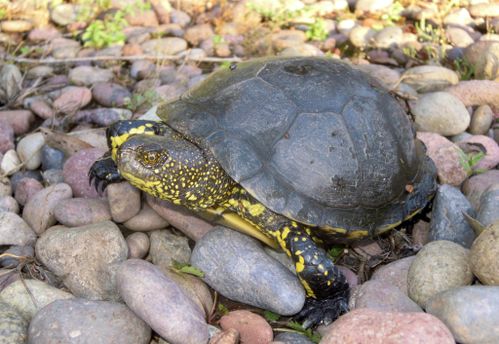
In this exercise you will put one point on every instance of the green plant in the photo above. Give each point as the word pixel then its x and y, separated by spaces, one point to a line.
pixel 186 269
pixel 271 316
pixel 469 161
pixel 138 100
pixel 313 336
pixel 464 68
pixel 103 33
pixel 222 309
pixel 393 14
pixel 317 31
pixel 218 39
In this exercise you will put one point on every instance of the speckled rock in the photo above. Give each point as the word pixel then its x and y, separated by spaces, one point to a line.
pixel 441 113
pixel 446 156
pixel 180 218
pixel 382 296
pixel 72 99
pixel 27 188
pixel 84 257
pixel 29 296
pixel 477 92
pixel 138 245
pixel 233 265
pixel 447 219
pixel 252 327
pixel 395 273
pixel 13 327
pixel 157 300
pixel 39 211
pixel 124 201
pixel 483 255
pixel 76 212
pixel 83 321
pixel 88 75
pixel 439 266
pixel 471 313
pixel 146 220
pixel 375 327
pixel 430 78
pixel 19 120
pixel 110 94
pixel 76 169
pixel 14 230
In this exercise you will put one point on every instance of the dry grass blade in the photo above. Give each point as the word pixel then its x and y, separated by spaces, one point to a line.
pixel 63 142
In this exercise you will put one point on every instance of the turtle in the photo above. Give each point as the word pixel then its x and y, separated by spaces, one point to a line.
pixel 306 150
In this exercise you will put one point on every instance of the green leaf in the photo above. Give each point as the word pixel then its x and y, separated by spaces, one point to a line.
pixel 313 336
pixel 336 251
pixel 222 309
pixel 187 269
pixel 271 316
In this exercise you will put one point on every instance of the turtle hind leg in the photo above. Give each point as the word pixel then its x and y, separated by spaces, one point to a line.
pixel 104 172
pixel 327 288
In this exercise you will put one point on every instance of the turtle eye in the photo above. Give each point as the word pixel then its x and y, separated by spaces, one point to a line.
pixel 150 158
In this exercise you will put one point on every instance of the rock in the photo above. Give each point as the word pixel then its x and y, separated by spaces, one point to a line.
pixel 15 26
pixel 489 203
pixel 484 10
pixel 232 263
pixel 20 253
pixel 291 338
pixel 230 336
pixel 395 273
pixel 382 296
pixel 458 17
pixel 84 257
pixel 72 99
pixel 10 82
pixel 88 75
pixel 483 144
pixel 430 78
pixel 6 137
pixel 458 36
pixel 84 321
pixel 51 177
pixel 142 69
pixel 195 34
pixel 142 18
pixel 14 231
pixel 76 212
pixel 180 218
pixel 475 324
pixel 283 39
pixel 124 201
pixel 138 245
pixel 439 266
pixel 17 177
pixel 42 109
pixel 477 92
pixel 483 56
pixel 64 14
pixel 483 255
pixel 179 17
pixel 76 169
pixel 5 187
pixel 481 120
pixel 27 188
pixel 9 204
pixel 372 5
pixel 29 150
pixel 474 187
pixel 19 120
pixel 52 158
pixel 29 296
pixel 43 34
pixel 447 219
pixel 39 211
pixel 447 158
pixel 441 113
pixel 388 37
pixel 146 220
pixel 252 327
pixel 164 46
pixel 386 76
pixel 361 36
pixel 13 327
pixel 375 327
pixel 109 94
pixel 302 50
pixel 10 163
pixel 157 300
pixel 103 116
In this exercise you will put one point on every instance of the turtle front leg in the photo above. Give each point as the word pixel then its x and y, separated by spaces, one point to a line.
pixel 327 288
pixel 104 172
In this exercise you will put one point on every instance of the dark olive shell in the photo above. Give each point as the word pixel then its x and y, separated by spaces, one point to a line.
pixel 311 138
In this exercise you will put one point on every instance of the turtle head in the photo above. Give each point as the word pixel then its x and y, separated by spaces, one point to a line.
pixel 169 167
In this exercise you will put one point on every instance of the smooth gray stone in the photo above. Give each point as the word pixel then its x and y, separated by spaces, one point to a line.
pixel 488 213
pixel 236 266
pixel 292 338
pixel 13 327
pixel 447 220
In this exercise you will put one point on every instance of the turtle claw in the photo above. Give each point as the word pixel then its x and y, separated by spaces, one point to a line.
pixel 102 173
pixel 323 311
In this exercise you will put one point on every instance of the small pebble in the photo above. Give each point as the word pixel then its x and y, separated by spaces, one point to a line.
pixel 447 220
pixel 85 257
pixel 375 327
pixel 388 37
pixel 77 212
pixel 146 220
pixel 10 81
pixel 124 201
pixel 111 95
pixel 16 26
pixel 88 75
pixel 142 69
pixel 395 273
pixel 29 150
pixel 9 204
pixel 6 137
pixel 483 255
pixel 429 78
pixel 439 266
pixel 471 313
pixel 477 92
pixel 160 302
pixel 85 321
pixel 10 163
pixel 76 169
pixel 481 120
pixel 72 99
pixel 489 204
pixel 19 120
pixel 252 327
pixel 27 188
pixel 51 177
pixel 138 245
pixel 16 178
pixel 39 210
pixel 42 109
pixel 487 146
pixel 15 231
pixel 292 338
pixel 474 187
pixel 197 33
pixel 164 46
pixel 52 158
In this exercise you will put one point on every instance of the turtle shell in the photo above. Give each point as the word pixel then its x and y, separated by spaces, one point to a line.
pixel 311 138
